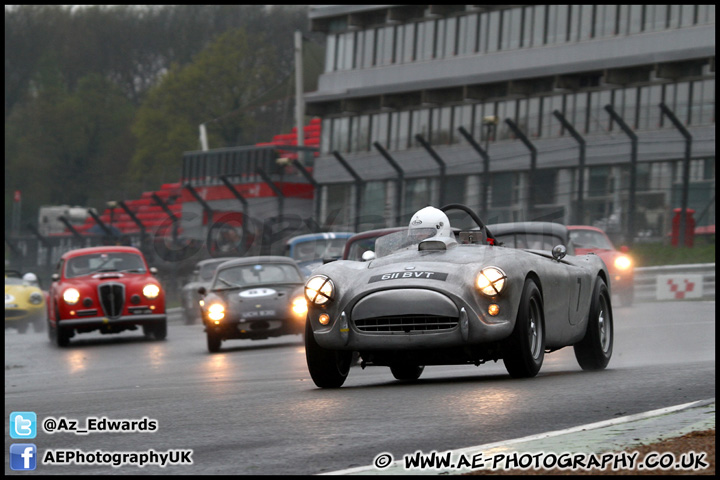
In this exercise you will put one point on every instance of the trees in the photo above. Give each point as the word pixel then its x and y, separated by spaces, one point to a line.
pixel 80 80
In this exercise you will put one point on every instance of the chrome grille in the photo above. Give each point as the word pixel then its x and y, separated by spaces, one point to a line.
pixel 406 323
pixel 112 298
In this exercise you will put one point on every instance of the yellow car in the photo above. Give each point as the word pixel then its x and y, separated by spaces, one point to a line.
pixel 25 302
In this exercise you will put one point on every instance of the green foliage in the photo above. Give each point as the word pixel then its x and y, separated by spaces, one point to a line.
pixel 69 147
pixel 217 88
pixel 655 254
pixel 101 101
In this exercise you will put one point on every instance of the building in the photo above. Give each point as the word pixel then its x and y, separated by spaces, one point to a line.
pixel 570 108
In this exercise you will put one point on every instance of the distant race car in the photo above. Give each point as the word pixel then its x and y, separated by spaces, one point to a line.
pixel 431 297
pixel 201 277
pixel 253 298
pixel 619 263
pixel 362 242
pixel 110 289
pixel 313 249
pixel 25 302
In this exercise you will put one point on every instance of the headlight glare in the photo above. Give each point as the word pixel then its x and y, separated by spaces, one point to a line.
pixel 491 281
pixel 151 290
pixel 71 296
pixel 300 307
pixel 216 311
pixel 623 262
pixel 319 290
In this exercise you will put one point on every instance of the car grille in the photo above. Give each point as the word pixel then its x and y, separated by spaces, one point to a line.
pixel 406 323
pixel 112 298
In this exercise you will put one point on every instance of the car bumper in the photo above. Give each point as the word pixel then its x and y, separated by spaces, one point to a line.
pixel 436 320
pixel 257 327
pixel 145 319
pixel 18 315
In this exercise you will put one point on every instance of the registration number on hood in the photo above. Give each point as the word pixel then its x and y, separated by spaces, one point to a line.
pixel 409 275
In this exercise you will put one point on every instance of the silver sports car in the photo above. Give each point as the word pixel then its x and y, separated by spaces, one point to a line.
pixel 437 296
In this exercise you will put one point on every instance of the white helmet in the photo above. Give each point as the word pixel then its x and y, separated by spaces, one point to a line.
pixel 431 217
pixel 30 278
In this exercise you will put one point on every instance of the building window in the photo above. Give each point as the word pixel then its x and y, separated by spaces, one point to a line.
pixel 417 195
pixel 330 53
pixel 420 125
pixel 361 133
pixel 372 213
pixel 467 34
pixel 369 49
pixel 338 200
pixel 409 43
pixel 493 30
pixel 426 40
pixel 380 128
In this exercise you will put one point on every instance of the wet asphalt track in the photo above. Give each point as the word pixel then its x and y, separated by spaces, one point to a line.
pixel 253 409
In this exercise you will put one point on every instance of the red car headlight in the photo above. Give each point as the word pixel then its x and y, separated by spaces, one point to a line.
pixel 623 262
pixel 151 291
pixel 71 296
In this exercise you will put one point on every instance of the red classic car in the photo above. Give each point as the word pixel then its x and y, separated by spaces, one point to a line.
pixel 109 289
pixel 619 264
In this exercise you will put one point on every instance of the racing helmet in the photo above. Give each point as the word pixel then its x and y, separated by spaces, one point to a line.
pixel 430 222
pixel 30 278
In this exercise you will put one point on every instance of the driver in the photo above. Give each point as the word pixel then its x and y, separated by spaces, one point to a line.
pixel 31 279
pixel 430 222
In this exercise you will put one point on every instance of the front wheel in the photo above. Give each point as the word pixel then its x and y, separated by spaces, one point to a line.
pixel 328 368
pixel 593 352
pixel 525 350
pixel 213 342
pixel 406 372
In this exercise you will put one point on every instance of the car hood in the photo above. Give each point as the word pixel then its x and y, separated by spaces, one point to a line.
pixel 267 295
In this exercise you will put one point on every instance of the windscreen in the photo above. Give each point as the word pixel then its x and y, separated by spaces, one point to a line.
pixel 401 240
pixel 104 262
pixel 318 249
pixel 259 274
pixel 590 239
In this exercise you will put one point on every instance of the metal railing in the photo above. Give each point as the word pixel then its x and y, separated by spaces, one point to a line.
pixel 675 282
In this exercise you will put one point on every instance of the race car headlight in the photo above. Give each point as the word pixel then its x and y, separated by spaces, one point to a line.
pixel 319 290
pixel 491 281
pixel 151 291
pixel 216 311
pixel 36 298
pixel 71 296
pixel 623 262
pixel 299 306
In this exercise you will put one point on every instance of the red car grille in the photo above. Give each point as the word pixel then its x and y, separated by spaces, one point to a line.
pixel 405 323
pixel 112 298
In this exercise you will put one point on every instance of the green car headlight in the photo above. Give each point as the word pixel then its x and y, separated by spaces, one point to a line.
pixel 491 281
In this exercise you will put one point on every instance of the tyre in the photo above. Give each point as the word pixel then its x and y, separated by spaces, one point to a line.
pixel 160 330
pixel 22 326
pixel 593 352
pixel 328 368
pixel 406 372
pixel 525 348
pixel 213 342
pixel 60 336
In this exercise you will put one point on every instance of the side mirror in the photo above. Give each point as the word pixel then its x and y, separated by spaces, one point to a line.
pixel 624 249
pixel 559 252
pixel 368 255
pixel 153 270
pixel 202 291
pixel 55 277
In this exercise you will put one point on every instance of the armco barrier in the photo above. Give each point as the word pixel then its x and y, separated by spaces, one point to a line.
pixel 675 282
